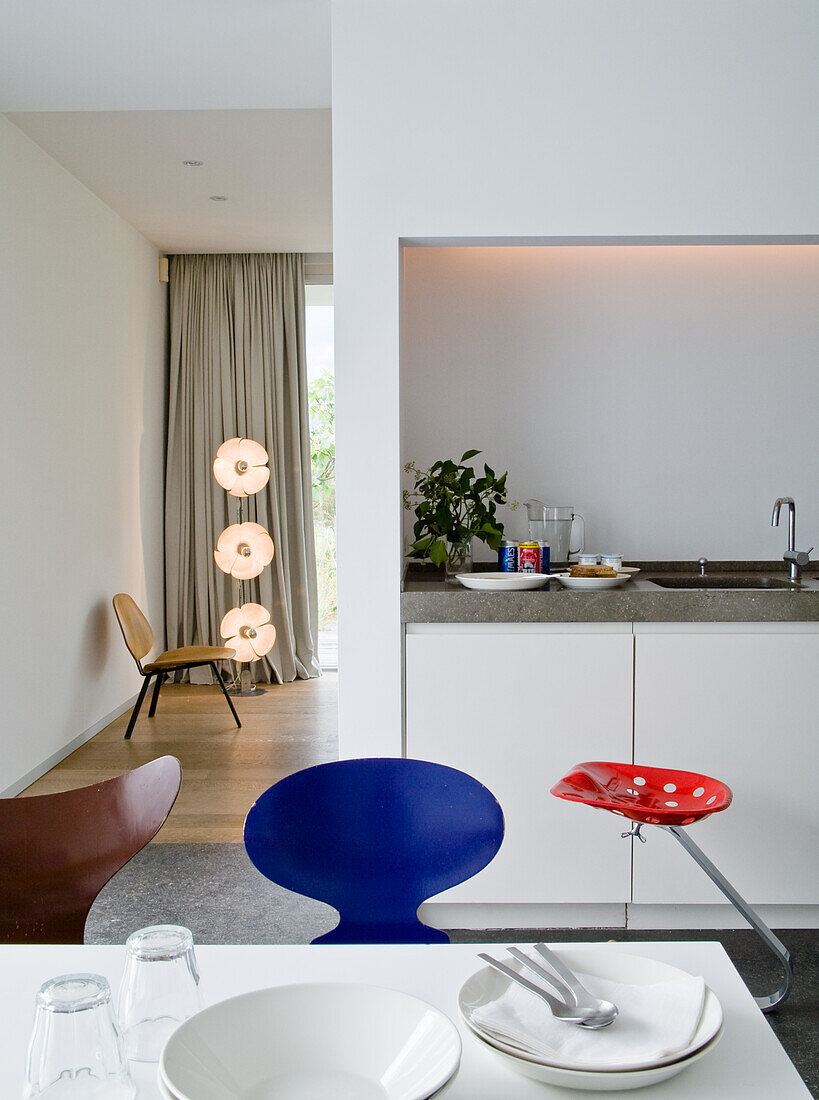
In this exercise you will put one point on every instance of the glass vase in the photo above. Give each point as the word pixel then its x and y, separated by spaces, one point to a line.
pixel 459 560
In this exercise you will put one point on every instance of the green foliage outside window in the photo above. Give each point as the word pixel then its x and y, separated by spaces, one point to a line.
pixel 322 406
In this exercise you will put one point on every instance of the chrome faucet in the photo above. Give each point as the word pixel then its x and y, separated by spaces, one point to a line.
pixel 796 559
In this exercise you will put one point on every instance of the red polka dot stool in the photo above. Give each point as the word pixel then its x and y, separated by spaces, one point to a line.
pixel 669 799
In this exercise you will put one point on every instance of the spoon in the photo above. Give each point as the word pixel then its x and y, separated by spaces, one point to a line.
pixel 560 1010
pixel 568 983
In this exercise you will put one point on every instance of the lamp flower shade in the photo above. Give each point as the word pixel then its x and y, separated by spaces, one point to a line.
pixel 241 467
pixel 248 630
pixel 243 550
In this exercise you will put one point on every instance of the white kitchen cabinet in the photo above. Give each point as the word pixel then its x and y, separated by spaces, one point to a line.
pixel 741 703
pixel 516 709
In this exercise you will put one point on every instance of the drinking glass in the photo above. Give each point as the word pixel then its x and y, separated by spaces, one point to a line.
pixel 76 1050
pixel 160 988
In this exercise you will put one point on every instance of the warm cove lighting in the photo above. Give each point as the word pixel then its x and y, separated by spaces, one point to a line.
pixel 243 550
pixel 241 467
pixel 248 630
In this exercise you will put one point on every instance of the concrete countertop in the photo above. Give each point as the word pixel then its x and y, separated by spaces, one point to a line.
pixel 427 598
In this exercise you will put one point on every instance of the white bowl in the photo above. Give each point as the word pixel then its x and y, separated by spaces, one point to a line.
pixel 351 1042
pixel 502 582
pixel 488 985
pixel 595 1081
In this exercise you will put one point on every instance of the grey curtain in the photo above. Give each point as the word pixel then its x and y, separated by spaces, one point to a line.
pixel 237 368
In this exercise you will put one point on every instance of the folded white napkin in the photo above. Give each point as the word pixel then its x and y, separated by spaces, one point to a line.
pixel 654 1022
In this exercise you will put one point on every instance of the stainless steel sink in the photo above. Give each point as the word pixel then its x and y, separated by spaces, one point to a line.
pixel 727 581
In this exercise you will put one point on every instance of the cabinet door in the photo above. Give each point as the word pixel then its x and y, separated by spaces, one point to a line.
pixel 517 711
pixel 741 707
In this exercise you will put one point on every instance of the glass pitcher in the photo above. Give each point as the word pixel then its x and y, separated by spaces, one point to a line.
pixel 554 525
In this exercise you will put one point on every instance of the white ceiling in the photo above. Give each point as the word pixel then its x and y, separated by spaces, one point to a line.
pixel 121 93
pixel 273 166
pixel 138 55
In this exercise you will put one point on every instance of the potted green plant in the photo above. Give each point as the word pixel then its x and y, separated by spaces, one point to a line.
pixel 452 507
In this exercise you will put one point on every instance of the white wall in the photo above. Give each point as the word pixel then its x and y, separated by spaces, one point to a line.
pixel 529 118
pixel 652 388
pixel 83 321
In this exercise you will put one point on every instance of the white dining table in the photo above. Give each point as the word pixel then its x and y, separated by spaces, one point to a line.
pixel 748 1063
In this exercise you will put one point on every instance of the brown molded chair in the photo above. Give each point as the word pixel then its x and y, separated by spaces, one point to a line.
pixel 57 851
pixel 136 630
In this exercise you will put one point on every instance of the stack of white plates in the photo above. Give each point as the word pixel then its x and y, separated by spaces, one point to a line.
pixel 348 1042
pixel 488 985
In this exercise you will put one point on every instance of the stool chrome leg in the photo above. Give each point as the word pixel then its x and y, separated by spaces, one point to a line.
pixel 772 1000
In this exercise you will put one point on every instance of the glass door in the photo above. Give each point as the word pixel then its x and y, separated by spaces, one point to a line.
pixel 321 380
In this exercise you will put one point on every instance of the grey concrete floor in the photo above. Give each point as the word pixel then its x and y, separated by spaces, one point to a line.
pixel 214 890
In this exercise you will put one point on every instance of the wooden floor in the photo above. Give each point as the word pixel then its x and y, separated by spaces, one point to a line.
pixel 224 768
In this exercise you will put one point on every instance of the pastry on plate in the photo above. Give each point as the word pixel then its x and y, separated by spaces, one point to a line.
pixel 592 571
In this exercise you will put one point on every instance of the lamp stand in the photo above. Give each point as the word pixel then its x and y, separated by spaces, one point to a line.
pixel 242 684
pixel 245 686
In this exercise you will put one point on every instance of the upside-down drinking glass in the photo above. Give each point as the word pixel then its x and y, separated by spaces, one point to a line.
pixel 76 1050
pixel 160 988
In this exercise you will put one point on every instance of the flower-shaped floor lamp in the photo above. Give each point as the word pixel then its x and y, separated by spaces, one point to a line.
pixel 242 551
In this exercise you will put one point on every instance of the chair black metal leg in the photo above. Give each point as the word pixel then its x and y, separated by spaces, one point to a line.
pixel 134 713
pixel 225 693
pixel 771 1000
pixel 155 697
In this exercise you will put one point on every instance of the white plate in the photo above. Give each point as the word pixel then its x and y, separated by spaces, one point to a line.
pixel 166 1094
pixel 499 582
pixel 164 1091
pixel 591 583
pixel 487 985
pixel 611 1081
pixel 351 1042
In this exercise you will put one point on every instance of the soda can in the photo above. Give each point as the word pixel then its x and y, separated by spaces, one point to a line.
pixel 529 557
pixel 508 556
pixel 545 555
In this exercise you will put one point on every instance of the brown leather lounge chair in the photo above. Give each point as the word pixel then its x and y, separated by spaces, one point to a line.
pixel 57 851
pixel 136 630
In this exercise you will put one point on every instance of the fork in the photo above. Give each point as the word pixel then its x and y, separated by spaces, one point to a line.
pixel 560 1009
pixel 567 983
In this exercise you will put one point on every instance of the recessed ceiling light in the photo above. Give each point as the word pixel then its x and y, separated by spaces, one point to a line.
pixel 193 163
pixel 218 198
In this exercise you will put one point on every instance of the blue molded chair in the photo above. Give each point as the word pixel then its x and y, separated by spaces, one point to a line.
pixel 374 838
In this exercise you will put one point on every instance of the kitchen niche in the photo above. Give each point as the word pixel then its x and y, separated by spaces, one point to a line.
pixel 669 391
